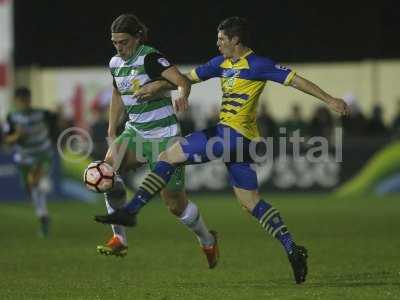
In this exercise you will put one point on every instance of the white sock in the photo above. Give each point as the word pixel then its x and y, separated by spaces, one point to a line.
pixel 39 202
pixel 118 230
pixel 192 219
pixel 114 199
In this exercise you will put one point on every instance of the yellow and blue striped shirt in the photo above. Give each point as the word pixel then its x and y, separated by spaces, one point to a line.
pixel 242 83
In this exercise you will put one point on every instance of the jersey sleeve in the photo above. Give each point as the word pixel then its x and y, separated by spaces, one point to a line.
pixel 155 63
pixel 267 69
pixel 209 70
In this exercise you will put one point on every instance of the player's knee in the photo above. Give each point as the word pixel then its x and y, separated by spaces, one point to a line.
pixel 164 157
pixel 173 155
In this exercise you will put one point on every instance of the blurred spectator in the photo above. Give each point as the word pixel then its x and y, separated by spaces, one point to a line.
pixel 54 121
pixel 63 122
pixel 99 133
pixel 295 122
pixel 1 134
pixel 266 123
pixel 355 124
pixel 186 122
pixel 396 121
pixel 102 99
pixel 375 125
pixel 321 123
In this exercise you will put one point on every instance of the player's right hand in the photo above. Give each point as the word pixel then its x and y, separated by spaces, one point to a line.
pixel 340 106
pixel 181 104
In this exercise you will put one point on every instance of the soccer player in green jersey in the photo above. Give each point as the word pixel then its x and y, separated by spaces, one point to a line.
pixel 149 129
pixel 28 130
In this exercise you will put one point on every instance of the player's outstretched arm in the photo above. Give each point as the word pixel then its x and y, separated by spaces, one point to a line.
pixel 306 86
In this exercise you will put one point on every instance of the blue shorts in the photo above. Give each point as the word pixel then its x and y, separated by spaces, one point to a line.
pixel 223 142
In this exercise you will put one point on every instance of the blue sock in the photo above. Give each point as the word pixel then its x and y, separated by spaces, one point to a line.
pixel 153 183
pixel 271 220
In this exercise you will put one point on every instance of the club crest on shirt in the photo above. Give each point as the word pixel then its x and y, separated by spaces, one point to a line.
pixel 228 78
pixel 230 73
pixel 162 61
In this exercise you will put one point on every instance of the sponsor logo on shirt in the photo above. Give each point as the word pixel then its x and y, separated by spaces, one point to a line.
pixel 124 85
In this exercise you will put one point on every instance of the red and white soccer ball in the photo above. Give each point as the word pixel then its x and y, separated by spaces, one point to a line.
pixel 99 176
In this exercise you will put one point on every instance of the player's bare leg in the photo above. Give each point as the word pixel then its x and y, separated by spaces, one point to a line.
pixel 167 162
pixel 178 204
pixel 188 213
pixel 271 220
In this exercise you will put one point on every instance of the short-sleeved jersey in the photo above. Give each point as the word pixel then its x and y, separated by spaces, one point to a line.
pixel 35 127
pixel 151 119
pixel 242 83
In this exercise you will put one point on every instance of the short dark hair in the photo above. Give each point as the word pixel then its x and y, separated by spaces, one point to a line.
pixel 129 23
pixel 23 93
pixel 236 26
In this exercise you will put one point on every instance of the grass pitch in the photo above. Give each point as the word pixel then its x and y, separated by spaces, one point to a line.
pixel 354 249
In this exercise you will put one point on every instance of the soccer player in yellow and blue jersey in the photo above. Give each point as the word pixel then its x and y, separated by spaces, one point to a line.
pixel 243 77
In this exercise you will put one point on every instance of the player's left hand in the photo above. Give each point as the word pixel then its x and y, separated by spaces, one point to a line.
pixel 149 91
pixel 338 105
pixel 181 104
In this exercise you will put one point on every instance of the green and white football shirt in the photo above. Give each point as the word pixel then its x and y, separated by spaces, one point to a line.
pixel 151 119
pixel 35 127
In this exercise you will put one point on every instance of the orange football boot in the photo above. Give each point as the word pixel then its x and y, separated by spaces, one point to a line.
pixel 113 247
pixel 212 252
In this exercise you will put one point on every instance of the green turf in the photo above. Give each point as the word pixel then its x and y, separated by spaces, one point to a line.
pixel 354 250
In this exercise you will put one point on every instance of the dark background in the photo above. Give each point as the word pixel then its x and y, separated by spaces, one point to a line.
pixel 69 33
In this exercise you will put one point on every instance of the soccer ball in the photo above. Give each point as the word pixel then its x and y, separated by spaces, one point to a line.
pixel 99 176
